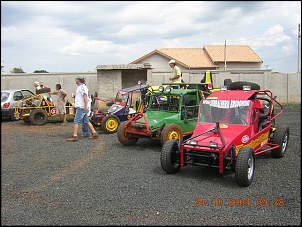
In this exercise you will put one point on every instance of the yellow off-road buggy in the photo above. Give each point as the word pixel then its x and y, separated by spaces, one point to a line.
pixel 39 109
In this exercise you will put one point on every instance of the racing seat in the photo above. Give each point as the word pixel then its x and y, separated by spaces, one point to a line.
pixel 258 115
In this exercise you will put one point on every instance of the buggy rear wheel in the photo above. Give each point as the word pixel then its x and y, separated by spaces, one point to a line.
pixel 245 166
pixel 169 157
pixel 281 137
pixel 123 136
pixel 38 117
pixel 110 124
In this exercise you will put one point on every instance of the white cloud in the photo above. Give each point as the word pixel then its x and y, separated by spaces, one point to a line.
pixel 57 35
pixel 82 46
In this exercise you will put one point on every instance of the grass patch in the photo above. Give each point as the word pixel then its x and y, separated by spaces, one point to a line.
pixel 292 105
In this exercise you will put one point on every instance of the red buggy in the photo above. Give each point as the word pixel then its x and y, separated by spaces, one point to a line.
pixel 233 127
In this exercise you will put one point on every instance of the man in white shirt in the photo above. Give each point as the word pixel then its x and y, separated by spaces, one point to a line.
pixel 81 108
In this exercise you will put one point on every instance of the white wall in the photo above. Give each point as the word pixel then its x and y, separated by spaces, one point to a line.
pixel 287 87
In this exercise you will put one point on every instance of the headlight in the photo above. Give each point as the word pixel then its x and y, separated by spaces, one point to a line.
pixel 210 86
pixel 161 88
pixel 193 142
pixel 213 144
pixel 246 88
pixel 223 88
pixel 168 89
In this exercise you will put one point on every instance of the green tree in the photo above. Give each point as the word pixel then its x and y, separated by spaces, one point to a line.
pixel 17 70
pixel 40 71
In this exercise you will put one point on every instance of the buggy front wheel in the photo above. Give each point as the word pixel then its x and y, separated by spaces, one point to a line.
pixel 169 157
pixel 171 131
pixel 245 166
pixel 110 124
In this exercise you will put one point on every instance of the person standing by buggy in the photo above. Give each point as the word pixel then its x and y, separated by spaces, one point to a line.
pixel 81 108
pixel 61 103
pixel 176 72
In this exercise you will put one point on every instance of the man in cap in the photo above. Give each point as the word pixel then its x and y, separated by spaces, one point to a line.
pixel 81 108
pixel 176 72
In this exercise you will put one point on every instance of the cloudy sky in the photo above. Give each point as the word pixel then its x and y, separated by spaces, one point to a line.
pixel 76 36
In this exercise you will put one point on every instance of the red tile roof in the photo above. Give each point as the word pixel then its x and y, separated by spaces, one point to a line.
pixel 234 53
pixel 192 57
pixel 207 56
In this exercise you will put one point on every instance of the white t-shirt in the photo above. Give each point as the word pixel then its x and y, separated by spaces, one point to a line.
pixel 79 96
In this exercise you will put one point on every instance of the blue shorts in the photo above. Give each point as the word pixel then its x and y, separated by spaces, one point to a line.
pixel 80 116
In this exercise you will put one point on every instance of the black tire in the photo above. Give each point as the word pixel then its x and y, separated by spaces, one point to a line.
pixel 122 136
pixel 26 120
pixel 245 166
pixel 110 124
pixel 281 137
pixel 238 85
pixel 14 117
pixel 171 131
pixel 38 117
pixel 169 157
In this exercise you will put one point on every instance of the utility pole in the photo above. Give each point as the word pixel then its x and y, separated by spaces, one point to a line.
pixel 299 49
pixel 225 66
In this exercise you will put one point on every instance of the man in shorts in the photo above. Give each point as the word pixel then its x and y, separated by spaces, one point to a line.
pixel 81 108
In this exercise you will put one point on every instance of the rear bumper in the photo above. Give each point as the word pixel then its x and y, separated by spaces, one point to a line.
pixel 6 113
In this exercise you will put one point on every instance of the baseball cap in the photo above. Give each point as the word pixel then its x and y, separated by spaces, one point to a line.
pixel 80 77
pixel 172 61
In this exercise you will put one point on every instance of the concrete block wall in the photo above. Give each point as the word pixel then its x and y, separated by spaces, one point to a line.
pixel 287 87
pixel 67 80
pixel 108 84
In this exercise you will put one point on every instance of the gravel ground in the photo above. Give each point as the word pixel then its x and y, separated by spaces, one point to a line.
pixel 46 180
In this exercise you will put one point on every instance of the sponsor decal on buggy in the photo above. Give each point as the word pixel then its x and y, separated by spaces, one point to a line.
pixel 254 143
pixel 53 111
pixel 223 125
pixel 227 103
pixel 245 139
